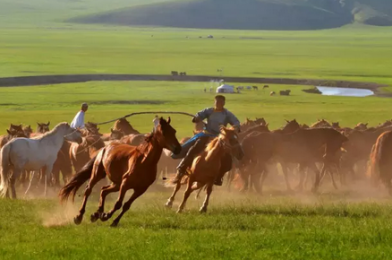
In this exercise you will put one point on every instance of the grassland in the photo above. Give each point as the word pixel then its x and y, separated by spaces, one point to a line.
pixel 352 223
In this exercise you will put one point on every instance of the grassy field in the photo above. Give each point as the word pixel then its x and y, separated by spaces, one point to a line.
pixel 352 223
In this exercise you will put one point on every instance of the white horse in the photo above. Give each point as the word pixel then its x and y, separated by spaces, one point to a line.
pixel 33 155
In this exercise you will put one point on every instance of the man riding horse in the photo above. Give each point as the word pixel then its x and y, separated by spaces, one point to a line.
pixel 216 116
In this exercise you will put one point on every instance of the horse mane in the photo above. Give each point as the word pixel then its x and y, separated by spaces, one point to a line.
pixel 211 147
pixel 52 132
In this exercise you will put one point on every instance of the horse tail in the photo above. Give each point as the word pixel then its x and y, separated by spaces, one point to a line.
pixel 375 156
pixel 76 181
pixel 4 168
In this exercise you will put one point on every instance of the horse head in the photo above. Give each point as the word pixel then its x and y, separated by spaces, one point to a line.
pixel 291 126
pixel 72 134
pixel 28 130
pixel 165 134
pixel 43 128
pixel 16 127
pixel 116 134
pixel 229 136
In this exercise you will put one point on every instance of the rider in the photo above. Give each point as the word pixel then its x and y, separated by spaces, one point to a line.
pixel 216 116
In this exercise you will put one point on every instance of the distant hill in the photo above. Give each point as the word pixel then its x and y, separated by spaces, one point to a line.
pixel 249 14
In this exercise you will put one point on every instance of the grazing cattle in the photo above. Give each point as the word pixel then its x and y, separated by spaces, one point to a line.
pixel 182 73
pixel 128 167
pixel 174 73
pixel 255 88
pixel 285 92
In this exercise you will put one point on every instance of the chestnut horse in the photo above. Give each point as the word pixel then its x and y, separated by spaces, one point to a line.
pixel 128 167
pixel 207 166
pixel 380 167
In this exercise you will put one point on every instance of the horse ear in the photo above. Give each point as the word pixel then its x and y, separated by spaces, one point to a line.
pixel 366 124
pixel 287 121
pixel 48 123
pixel 168 120
pixel 111 130
pixel 8 131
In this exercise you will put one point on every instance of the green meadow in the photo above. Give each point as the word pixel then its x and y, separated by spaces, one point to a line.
pixel 351 223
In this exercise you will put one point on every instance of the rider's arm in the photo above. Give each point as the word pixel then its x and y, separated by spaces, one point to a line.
pixel 201 115
pixel 233 120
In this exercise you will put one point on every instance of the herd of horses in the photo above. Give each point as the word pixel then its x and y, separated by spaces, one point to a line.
pixel 131 160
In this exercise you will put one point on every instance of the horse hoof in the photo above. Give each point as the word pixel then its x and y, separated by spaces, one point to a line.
pixel 78 220
pixel 104 217
pixel 179 211
pixel 94 217
pixel 203 210
pixel 169 205
pixel 114 224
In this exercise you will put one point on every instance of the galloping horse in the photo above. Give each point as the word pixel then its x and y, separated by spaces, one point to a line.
pixel 33 154
pixel 128 167
pixel 207 166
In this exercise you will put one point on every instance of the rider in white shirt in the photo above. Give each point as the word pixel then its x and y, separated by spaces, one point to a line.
pixel 78 121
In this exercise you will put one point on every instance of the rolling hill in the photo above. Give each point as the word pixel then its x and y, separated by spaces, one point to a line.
pixel 249 14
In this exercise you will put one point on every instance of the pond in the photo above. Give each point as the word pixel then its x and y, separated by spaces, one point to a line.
pixel 347 92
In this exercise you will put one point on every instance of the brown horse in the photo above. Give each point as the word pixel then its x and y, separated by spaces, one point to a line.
pixel 207 166
pixel 80 154
pixel 133 139
pixel 124 126
pixel 380 167
pixel 28 131
pixel 11 134
pixel 128 167
pixel 321 123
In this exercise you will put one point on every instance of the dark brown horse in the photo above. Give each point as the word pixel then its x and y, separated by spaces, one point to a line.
pixel 128 167
pixel 380 167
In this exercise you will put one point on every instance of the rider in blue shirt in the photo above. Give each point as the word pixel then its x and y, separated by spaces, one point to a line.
pixel 216 116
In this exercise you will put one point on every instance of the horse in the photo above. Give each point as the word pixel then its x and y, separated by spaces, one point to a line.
pixel 380 166
pixel 115 134
pixel 28 131
pixel 320 123
pixel 361 127
pixel 255 87
pixel 81 153
pixel 207 167
pixel 11 134
pixel 33 154
pixel 124 126
pixel 272 93
pixel 285 92
pixel 128 167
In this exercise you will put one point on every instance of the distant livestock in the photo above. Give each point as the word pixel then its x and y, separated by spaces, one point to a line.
pixel 272 93
pixel 285 92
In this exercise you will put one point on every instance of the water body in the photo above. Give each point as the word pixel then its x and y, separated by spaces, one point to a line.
pixel 347 92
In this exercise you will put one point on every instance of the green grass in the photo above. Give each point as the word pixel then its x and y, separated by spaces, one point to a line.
pixel 57 103
pixel 236 227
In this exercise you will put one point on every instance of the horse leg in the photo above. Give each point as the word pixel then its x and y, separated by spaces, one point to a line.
pixel 169 202
pixel 123 190
pixel 187 193
pixel 30 182
pixel 302 175
pixel 106 190
pixel 331 173
pixel 286 176
pixel 203 208
pixel 12 180
pixel 136 194
pixel 318 175
pixel 94 179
